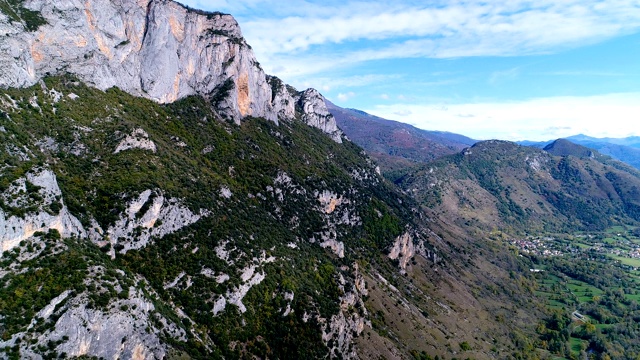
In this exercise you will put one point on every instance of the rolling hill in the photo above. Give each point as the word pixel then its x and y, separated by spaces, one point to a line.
pixel 498 184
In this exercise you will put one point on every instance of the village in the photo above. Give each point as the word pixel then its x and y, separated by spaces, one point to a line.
pixel 621 246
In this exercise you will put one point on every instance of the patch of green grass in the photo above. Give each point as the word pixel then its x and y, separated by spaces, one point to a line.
pixel 582 246
pixel 616 229
pixel 556 304
pixel 604 326
pixel 625 260
pixel 576 345
pixel 633 297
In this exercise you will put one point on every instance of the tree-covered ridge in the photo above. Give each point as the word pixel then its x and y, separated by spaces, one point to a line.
pixel 513 187
pixel 259 187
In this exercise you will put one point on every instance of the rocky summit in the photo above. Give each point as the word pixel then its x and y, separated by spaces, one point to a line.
pixel 160 50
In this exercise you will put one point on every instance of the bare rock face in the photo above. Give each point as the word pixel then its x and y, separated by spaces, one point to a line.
pixel 282 98
pixel 156 49
pixel 148 216
pixel 39 191
pixel 403 249
pixel 80 331
pixel 349 323
pixel 315 113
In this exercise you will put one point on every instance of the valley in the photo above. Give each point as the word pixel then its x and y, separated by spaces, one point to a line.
pixel 594 278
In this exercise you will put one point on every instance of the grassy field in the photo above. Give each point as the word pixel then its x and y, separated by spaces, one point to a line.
pixel 633 297
pixel 583 291
pixel 582 245
pixel 626 261
pixel 604 326
pixel 576 345
pixel 618 229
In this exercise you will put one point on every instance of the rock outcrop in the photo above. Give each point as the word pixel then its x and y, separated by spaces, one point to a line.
pixel 350 321
pixel 315 113
pixel 148 216
pixel 403 250
pixel 156 49
pixel 37 199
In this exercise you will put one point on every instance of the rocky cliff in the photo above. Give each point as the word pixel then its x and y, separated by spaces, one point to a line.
pixel 156 49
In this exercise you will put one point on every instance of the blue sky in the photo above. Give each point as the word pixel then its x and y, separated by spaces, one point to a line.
pixel 507 69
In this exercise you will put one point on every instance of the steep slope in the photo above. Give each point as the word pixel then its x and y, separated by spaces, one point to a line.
pixel 197 237
pixel 562 147
pixel 500 185
pixel 137 179
pixel 393 144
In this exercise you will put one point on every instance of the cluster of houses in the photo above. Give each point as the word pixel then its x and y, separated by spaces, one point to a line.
pixel 542 246
pixel 548 246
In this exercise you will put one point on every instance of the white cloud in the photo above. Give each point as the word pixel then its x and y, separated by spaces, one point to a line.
pixel 611 115
pixel 295 39
pixel 404 112
pixel 441 29
pixel 348 81
pixel 505 75
pixel 584 73
pixel 346 96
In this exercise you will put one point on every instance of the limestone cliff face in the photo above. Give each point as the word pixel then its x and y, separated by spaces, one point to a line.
pixel 45 210
pixel 315 113
pixel 152 48
pixel 284 104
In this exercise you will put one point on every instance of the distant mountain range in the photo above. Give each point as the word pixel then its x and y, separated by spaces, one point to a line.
pixel 396 145
pixel 393 144
pixel 624 149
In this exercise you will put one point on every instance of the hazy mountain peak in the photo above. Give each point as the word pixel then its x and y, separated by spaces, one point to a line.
pixel 563 147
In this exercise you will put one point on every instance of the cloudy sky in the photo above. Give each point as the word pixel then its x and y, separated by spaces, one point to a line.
pixel 507 69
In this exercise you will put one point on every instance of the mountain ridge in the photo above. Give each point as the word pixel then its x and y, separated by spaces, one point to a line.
pixel 623 149
pixel 500 183
pixel 158 49
pixel 394 144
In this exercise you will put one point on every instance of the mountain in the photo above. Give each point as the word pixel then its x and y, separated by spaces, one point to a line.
pixel 161 197
pixel 498 184
pixel 395 145
pixel 562 147
pixel 626 149
pixel 141 230
pixel 160 50
pixel 631 141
